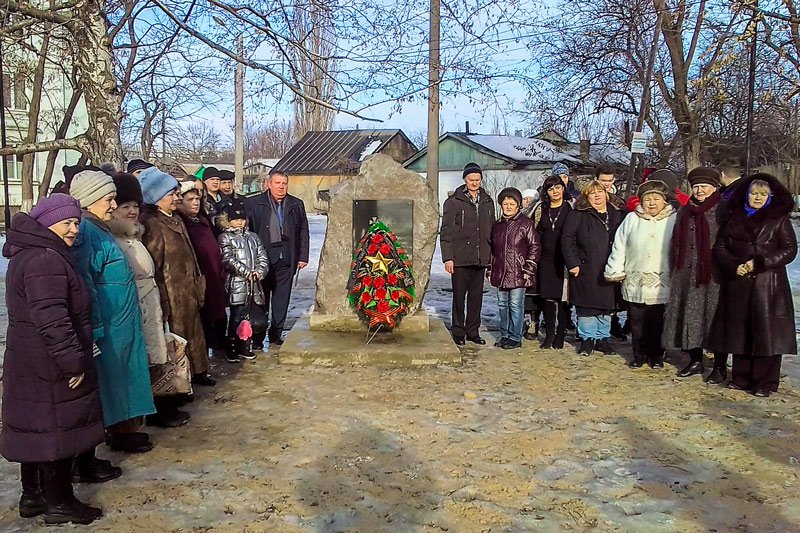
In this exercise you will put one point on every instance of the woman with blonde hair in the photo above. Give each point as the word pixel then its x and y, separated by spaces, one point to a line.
pixel 586 244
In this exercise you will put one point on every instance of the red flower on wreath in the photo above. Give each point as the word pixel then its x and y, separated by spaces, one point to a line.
pixel 395 295
pixel 367 281
pixel 365 298
pixel 378 282
pixel 392 279
pixel 372 249
pixel 377 238
pixel 385 249
pixel 383 306
pixel 380 294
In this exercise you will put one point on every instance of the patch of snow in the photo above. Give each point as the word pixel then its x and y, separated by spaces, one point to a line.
pixel 522 148
pixel 370 149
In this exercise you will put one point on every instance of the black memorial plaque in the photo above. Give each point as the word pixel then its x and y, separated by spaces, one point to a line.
pixel 398 215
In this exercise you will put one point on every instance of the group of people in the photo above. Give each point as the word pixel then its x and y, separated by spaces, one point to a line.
pixel 695 272
pixel 117 287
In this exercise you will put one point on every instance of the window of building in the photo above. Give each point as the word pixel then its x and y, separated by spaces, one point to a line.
pixel 14 91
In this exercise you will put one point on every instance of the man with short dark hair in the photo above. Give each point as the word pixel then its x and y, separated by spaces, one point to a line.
pixel 280 221
pixel 467 219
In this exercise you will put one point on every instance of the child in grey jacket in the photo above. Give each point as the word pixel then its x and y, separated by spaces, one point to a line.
pixel 245 262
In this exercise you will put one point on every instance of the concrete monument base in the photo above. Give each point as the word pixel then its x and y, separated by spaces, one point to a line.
pixel 306 346
pixel 419 322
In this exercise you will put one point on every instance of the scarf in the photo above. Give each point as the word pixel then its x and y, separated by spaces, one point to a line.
pixel 752 210
pixel 702 238
pixel 275 220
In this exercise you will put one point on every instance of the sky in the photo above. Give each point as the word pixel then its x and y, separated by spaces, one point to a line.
pixel 503 109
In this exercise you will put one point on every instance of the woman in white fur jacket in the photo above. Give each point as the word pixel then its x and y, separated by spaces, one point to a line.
pixel 640 259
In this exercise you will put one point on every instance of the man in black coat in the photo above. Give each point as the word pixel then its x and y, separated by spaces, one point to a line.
pixel 467 220
pixel 280 221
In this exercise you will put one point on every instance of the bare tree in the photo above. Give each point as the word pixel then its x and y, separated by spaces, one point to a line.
pixel 269 140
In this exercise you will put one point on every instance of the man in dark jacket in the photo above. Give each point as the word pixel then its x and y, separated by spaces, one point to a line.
pixel 227 194
pixel 280 221
pixel 467 221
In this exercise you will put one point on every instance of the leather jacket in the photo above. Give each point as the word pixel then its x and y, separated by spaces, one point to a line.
pixel 242 253
pixel 515 253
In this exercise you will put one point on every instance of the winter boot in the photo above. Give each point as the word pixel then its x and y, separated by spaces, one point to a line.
pixel 31 503
pixel 243 350
pixel 719 373
pixel 604 347
pixel 89 469
pixel 656 359
pixel 561 327
pixel 616 328
pixel 695 365
pixel 230 351
pixel 61 504
pixel 549 325
pixel 527 332
pixel 586 348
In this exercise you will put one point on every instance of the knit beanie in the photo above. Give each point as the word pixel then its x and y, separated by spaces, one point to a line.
pixel 55 208
pixel 89 186
pixel 156 185
pixel 472 168
pixel 190 185
pixel 708 175
pixel 653 186
pixel 669 178
pixel 235 210
pixel 530 193
pixel 510 192
pixel 560 168
pixel 210 172
pixel 70 171
pixel 138 164
pixel 128 188
pixel 226 175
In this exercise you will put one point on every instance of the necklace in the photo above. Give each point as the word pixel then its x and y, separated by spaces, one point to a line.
pixel 550 216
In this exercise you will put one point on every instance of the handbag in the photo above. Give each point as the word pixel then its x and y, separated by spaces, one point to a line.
pixel 173 377
pixel 255 319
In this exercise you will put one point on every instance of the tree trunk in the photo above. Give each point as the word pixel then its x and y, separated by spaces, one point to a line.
pixel 95 64
pixel 29 160
pixel 63 128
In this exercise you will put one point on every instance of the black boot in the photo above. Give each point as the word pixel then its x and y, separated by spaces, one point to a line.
pixel 31 503
pixel 616 329
pixel 719 373
pixel 89 469
pixel 695 365
pixel 561 327
pixel 230 351
pixel 656 359
pixel 243 350
pixel 549 325
pixel 61 504
pixel 129 442
pixel 604 347
pixel 638 361
pixel 586 348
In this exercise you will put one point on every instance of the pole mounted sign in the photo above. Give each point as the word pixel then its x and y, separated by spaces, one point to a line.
pixel 639 143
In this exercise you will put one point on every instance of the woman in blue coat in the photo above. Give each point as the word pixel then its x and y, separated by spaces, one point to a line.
pixel 122 363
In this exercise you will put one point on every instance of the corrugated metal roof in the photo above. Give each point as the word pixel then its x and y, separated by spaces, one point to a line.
pixel 338 152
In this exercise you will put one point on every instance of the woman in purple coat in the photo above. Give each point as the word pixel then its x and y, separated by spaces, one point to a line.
pixel 51 404
pixel 515 259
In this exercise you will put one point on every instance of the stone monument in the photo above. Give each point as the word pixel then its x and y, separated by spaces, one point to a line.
pixel 333 333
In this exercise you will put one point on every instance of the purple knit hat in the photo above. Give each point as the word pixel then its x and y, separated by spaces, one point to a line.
pixel 55 208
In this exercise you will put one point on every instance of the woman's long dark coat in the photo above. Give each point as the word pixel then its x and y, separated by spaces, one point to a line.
pixel 551 262
pixel 755 315
pixel 49 341
pixel 586 243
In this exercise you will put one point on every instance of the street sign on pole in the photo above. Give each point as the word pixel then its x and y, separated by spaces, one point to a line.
pixel 639 143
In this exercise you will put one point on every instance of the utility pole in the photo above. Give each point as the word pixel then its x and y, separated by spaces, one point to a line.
pixel 433 99
pixel 645 103
pixel 751 91
pixel 239 135
pixel 7 208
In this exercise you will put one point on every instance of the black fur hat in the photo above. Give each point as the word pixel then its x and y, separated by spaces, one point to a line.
pixel 128 188
pixel 235 210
